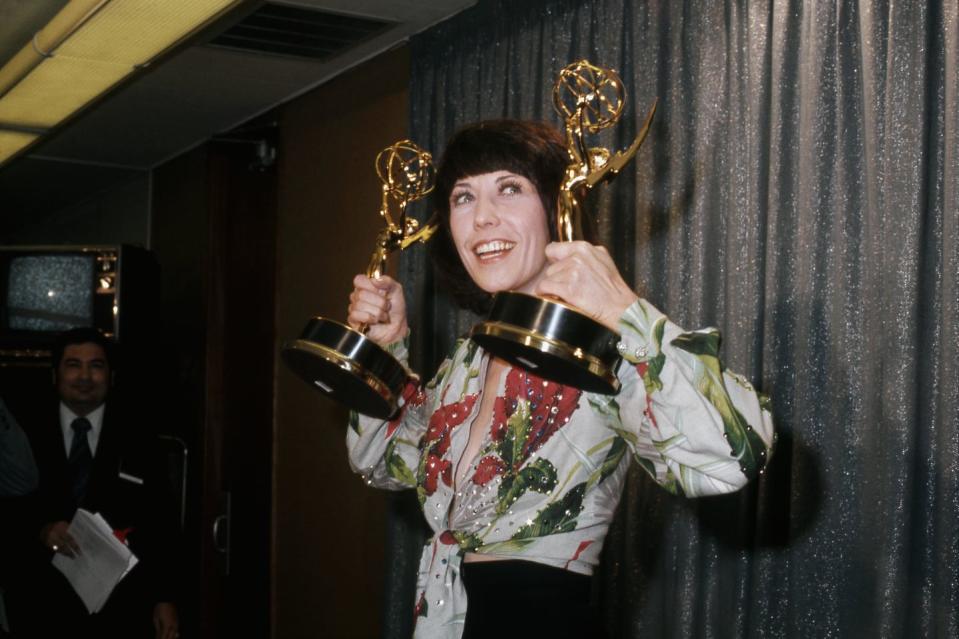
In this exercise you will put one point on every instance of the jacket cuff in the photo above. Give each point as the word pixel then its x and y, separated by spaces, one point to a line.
pixel 641 332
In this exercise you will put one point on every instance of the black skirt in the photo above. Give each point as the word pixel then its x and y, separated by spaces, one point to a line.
pixel 526 599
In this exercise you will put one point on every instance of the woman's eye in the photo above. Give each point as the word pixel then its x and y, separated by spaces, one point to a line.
pixel 461 198
pixel 510 188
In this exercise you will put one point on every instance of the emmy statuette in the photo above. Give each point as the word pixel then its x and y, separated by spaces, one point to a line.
pixel 333 357
pixel 546 336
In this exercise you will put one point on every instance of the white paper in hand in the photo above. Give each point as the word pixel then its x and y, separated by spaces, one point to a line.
pixel 102 563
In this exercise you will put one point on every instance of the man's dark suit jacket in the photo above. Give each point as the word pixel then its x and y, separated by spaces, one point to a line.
pixel 46 604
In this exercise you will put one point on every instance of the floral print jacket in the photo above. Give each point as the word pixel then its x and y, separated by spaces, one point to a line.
pixel 547 479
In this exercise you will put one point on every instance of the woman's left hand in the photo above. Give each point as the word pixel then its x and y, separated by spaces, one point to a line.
pixel 585 276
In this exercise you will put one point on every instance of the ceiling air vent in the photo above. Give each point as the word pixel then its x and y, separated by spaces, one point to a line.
pixel 284 30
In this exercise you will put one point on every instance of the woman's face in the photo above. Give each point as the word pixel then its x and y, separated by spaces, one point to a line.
pixel 500 230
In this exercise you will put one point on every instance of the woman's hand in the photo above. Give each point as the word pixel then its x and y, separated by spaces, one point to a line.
pixel 379 305
pixel 586 277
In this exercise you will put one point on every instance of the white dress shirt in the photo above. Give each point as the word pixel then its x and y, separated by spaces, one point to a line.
pixel 95 417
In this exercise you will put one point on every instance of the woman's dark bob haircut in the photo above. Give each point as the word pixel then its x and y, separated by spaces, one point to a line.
pixel 534 150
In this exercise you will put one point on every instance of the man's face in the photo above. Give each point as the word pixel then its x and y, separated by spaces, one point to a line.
pixel 83 377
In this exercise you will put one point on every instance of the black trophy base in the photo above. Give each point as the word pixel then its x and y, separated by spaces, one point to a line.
pixel 346 366
pixel 551 340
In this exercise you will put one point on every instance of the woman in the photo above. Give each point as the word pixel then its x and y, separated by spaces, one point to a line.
pixel 518 477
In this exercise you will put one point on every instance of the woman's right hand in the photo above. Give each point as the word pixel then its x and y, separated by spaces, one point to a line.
pixel 379 305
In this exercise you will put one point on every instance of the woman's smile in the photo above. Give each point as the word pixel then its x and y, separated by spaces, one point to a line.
pixel 487 251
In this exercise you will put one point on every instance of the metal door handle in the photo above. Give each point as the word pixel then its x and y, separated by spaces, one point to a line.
pixel 221 534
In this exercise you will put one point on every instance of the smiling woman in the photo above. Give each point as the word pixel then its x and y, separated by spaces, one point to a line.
pixel 518 476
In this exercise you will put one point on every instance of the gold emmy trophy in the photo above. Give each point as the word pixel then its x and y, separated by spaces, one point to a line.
pixel 547 337
pixel 333 357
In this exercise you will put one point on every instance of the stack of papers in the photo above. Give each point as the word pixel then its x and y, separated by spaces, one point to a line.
pixel 102 562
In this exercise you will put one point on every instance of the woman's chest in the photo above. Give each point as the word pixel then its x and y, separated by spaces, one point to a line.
pixel 487 453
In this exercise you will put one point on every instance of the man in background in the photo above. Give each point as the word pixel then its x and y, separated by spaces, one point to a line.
pixel 96 454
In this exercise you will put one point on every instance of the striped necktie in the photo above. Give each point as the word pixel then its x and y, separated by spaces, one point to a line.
pixel 80 460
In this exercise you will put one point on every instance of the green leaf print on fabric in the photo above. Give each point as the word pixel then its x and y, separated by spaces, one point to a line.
pixel 539 476
pixel 510 448
pixel 765 403
pixel 441 373
pixel 396 467
pixel 449 365
pixel 510 546
pixel 468 542
pixel 673 485
pixel 558 517
pixel 354 421
pixel 744 442
pixel 610 463
pixel 654 366
pixel 646 465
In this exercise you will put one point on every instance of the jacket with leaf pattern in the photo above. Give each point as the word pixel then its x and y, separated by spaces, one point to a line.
pixel 546 481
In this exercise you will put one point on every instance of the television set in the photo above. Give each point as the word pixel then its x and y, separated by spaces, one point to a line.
pixel 47 289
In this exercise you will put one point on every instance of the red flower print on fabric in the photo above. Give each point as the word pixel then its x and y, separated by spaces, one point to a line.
pixel 488 467
pixel 583 545
pixel 420 609
pixel 447 417
pixel 435 467
pixel 412 396
pixel 446 537
pixel 503 407
pixel 438 441
pixel 550 406
pixel 641 368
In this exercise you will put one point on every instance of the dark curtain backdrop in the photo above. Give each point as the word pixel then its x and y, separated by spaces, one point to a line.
pixel 799 191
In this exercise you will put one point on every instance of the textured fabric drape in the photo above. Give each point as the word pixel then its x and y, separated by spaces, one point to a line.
pixel 799 190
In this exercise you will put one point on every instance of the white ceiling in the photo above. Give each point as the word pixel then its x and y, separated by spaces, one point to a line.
pixel 193 94
pixel 200 91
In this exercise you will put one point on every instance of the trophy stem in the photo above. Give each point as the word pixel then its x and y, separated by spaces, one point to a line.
pixel 332 357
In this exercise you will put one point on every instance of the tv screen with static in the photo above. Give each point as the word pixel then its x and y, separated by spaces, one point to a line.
pixel 50 292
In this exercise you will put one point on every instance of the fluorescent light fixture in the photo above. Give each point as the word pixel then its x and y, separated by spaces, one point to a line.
pixel 12 142
pixel 83 52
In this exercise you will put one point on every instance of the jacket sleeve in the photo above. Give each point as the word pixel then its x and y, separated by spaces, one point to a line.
pixel 696 428
pixel 386 452
pixel 18 470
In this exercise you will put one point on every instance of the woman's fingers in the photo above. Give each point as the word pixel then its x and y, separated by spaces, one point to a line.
pixel 586 277
pixel 371 301
pixel 369 307
pixel 378 305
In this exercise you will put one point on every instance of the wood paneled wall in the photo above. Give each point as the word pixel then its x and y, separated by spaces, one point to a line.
pixel 329 527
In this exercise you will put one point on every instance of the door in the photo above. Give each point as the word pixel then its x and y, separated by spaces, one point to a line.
pixel 238 429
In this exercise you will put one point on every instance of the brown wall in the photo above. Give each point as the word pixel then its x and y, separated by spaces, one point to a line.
pixel 329 528
pixel 180 241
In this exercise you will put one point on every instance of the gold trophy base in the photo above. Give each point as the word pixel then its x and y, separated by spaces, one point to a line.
pixel 346 366
pixel 551 340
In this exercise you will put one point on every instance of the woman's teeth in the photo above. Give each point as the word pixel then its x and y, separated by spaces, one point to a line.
pixel 492 249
